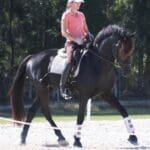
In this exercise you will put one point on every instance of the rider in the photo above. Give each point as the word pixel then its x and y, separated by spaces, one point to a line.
pixel 74 28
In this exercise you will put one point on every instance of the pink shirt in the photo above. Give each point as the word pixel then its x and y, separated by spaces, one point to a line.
pixel 75 23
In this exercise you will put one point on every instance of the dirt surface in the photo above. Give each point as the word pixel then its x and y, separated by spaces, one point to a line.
pixel 96 135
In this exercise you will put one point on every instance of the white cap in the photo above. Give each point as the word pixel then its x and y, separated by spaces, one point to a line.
pixel 77 1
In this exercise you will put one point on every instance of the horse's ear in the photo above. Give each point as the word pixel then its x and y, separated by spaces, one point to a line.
pixel 133 34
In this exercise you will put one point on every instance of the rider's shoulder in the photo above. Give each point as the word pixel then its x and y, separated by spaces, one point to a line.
pixel 66 13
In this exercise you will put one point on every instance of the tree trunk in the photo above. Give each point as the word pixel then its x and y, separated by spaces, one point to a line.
pixel 11 33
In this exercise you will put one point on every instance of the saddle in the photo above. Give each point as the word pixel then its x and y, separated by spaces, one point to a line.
pixel 60 59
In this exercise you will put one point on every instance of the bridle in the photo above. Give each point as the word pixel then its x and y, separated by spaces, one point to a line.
pixel 115 48
pixel 116 63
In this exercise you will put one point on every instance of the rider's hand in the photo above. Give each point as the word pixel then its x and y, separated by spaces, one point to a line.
pixel 79 41
pixel 89 37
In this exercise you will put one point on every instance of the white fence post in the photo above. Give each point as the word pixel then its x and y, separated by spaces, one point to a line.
pixel 88 117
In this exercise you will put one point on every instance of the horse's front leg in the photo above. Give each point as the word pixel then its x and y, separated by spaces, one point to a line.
pixel 80 119
pixel 112 100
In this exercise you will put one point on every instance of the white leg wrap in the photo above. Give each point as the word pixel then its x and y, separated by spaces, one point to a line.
pixel 129 126
pixel 78 131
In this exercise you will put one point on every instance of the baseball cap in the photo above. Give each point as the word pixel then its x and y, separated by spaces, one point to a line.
pixel 77 1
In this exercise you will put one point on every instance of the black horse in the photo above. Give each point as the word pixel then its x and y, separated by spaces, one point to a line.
pixel 95 76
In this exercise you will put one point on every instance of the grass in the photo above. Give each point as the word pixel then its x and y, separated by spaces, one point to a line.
pixel 68 112
pixel 93 117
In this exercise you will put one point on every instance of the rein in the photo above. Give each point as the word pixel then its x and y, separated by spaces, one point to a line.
pixel 108 61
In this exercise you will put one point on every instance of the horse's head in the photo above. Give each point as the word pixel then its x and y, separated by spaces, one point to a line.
pixel 123 51
pixel 116 44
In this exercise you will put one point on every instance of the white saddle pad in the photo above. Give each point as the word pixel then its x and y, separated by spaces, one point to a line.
pixel 59 62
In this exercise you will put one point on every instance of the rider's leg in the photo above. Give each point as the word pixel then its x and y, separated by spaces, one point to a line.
pixel 66 71
pixel 64 78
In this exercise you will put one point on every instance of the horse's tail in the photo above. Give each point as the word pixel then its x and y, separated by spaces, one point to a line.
pixel 16 91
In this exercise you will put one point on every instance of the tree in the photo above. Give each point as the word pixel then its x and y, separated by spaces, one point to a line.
pixel 134 14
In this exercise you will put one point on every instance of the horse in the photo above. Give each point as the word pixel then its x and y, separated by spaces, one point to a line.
pixel 112 48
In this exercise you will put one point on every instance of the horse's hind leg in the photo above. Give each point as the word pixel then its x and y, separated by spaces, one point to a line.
pixel 44 98
pixel 112 100
pixel 31 113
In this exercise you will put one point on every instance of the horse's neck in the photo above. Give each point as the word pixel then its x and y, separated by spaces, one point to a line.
pixel 101 63
pixel 106 50
pixel 98 60
pixel 104 59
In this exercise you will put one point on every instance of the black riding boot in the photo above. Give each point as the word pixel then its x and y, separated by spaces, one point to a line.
pixel 63 91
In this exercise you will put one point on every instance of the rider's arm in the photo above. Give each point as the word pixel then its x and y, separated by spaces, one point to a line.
pixel 64 30
pixel 85 27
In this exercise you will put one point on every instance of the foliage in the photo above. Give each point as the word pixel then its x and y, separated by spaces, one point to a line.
pixel 27 27
pixel 134 15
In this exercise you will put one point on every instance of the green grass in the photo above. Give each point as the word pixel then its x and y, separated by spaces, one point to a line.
pixel 93 117
pixel 70 114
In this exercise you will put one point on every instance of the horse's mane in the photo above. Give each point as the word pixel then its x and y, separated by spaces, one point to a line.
pixel 108 31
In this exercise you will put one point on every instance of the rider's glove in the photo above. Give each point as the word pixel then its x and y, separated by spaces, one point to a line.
pixel 79 41
pixel 90 37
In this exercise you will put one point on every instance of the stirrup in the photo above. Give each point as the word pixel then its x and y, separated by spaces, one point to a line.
pixel 64 94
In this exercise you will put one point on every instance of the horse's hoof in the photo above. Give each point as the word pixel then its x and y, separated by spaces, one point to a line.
pixel 77 143
pixel 133 139
pixel 23 143
pixel 63 142
pixel 23 139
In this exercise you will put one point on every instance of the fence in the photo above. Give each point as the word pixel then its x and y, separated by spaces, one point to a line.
pixel 121 90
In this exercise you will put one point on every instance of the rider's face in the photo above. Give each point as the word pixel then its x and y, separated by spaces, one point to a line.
pixel 75 5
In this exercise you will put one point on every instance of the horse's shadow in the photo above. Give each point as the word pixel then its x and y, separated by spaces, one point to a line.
pixel 51 145
pixel 135 148
pixel 54 146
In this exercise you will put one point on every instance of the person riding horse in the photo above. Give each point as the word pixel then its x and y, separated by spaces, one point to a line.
pixel 97 76
pixel 74 29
